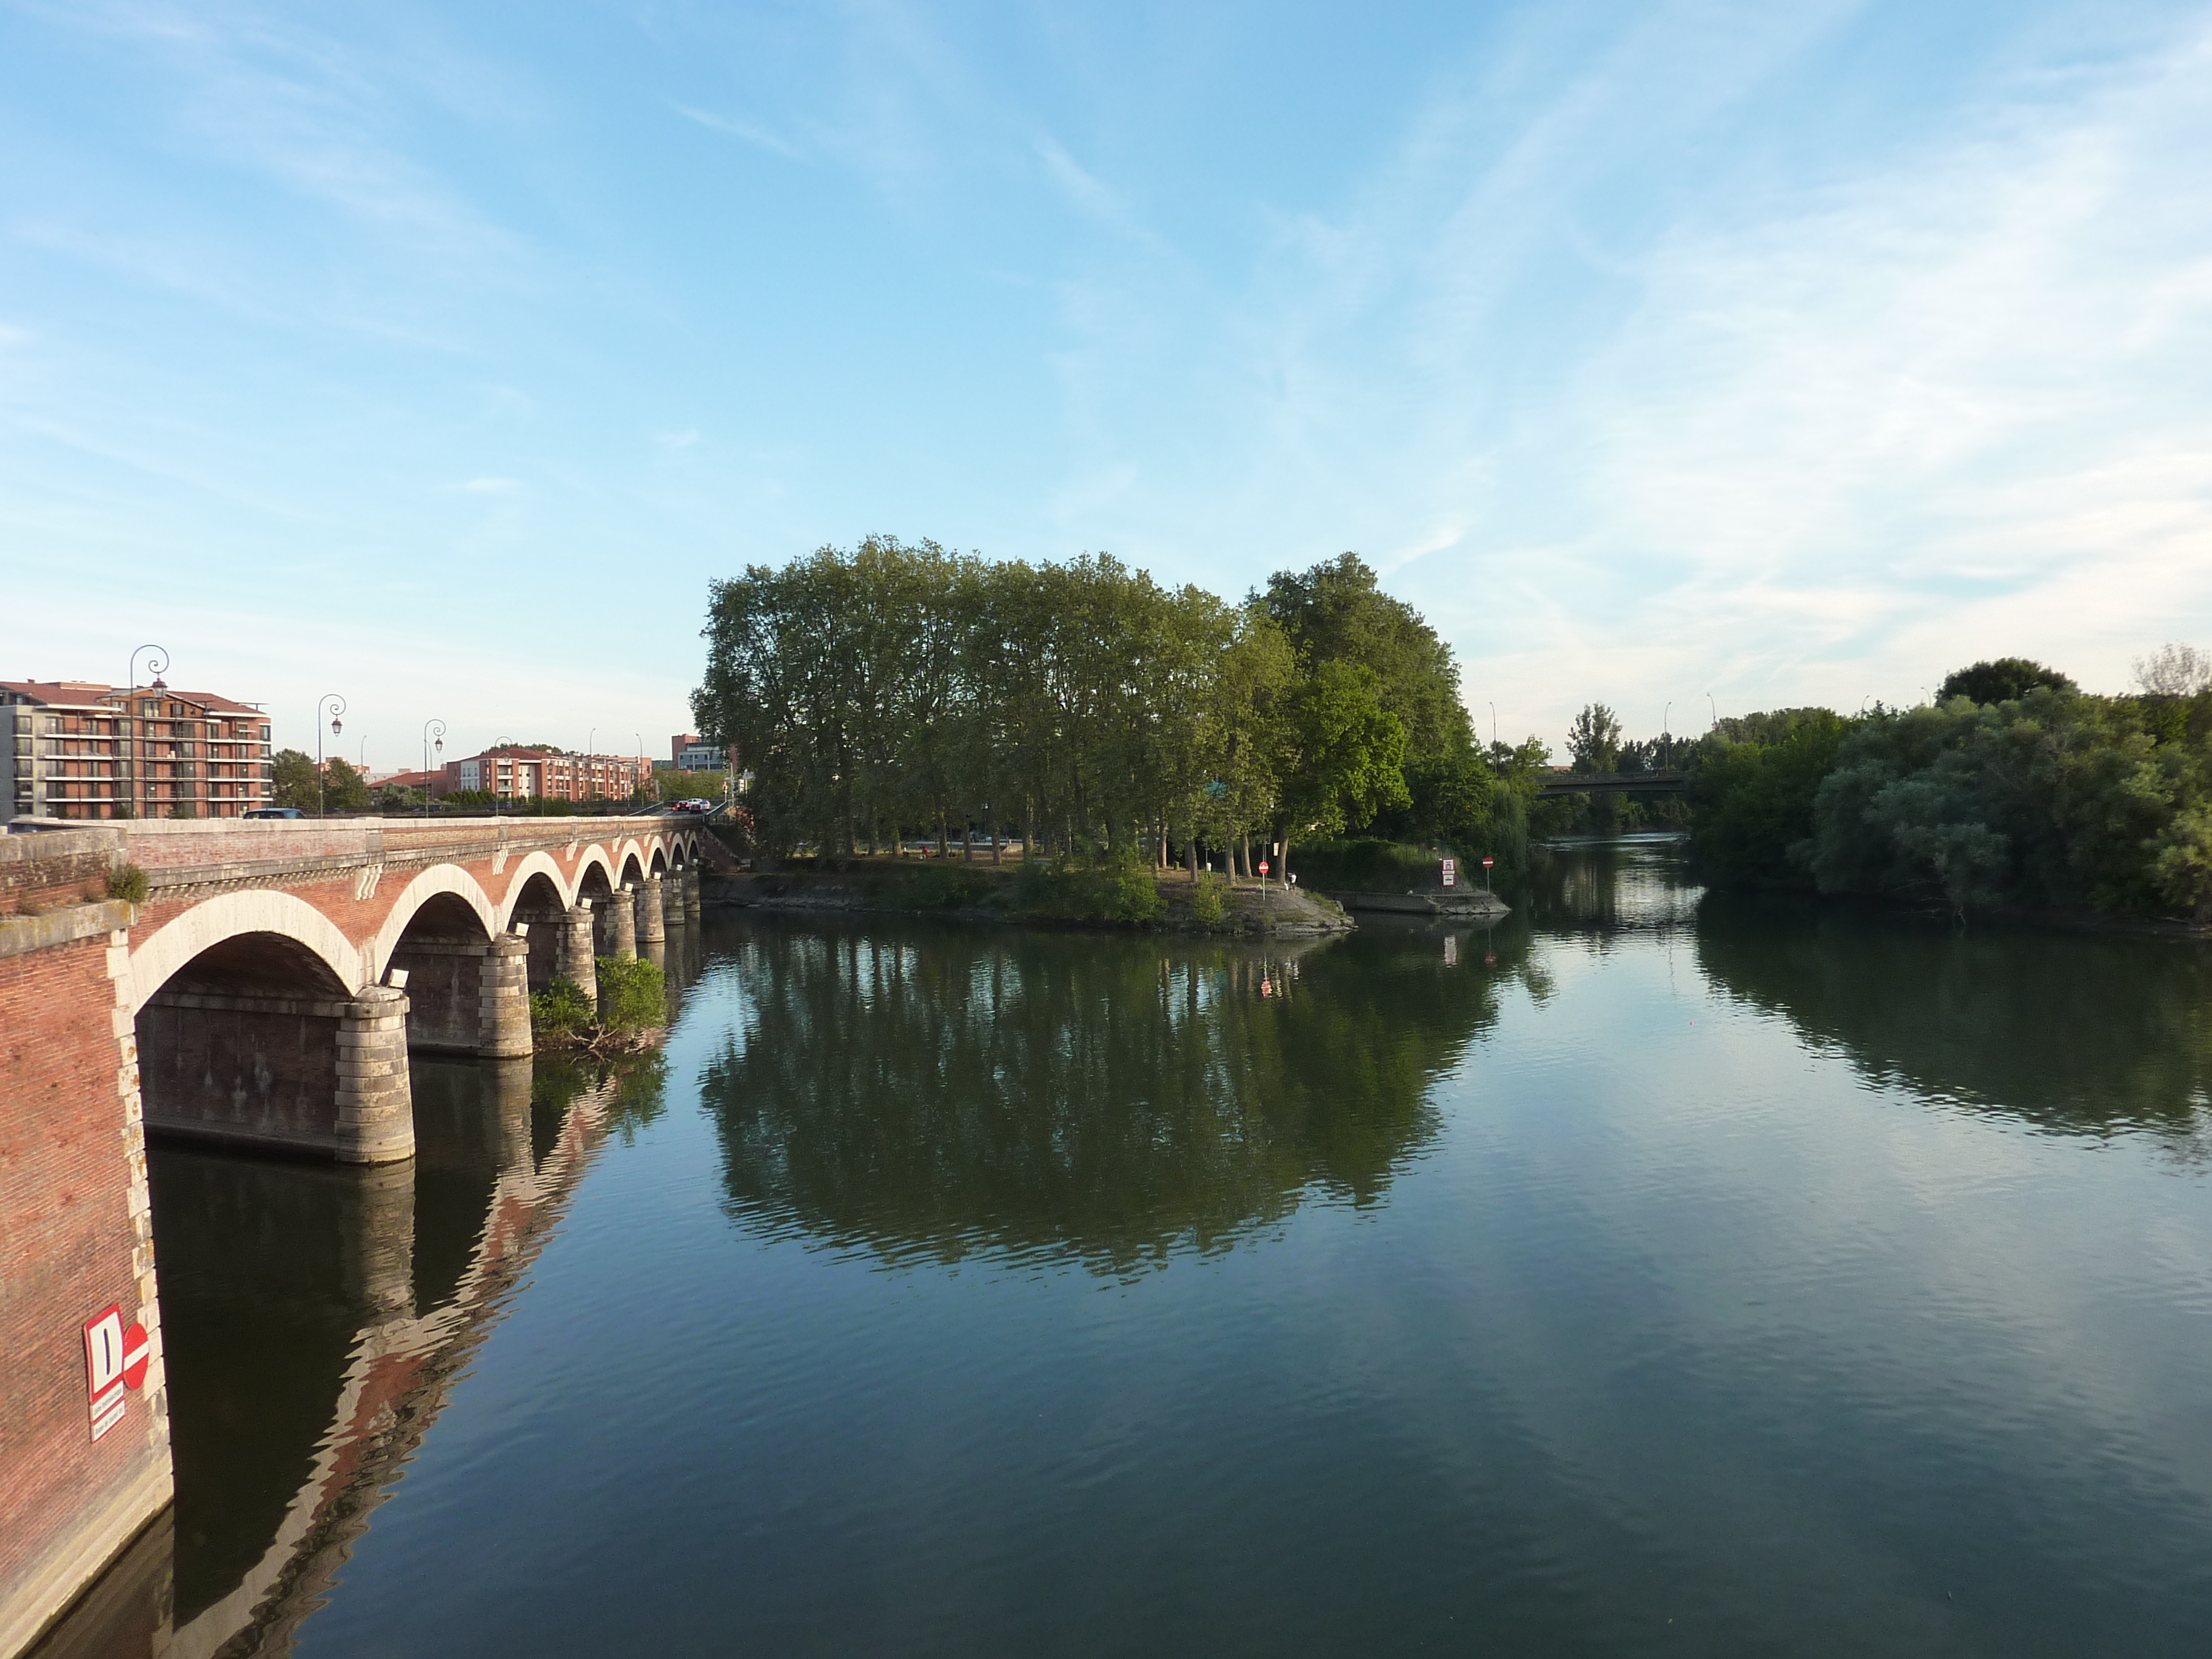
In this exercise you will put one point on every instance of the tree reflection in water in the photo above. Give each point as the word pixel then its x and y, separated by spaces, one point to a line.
pixel 931 1092
pixel 2073 1033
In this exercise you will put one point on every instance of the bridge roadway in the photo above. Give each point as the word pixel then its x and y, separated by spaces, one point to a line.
pixel 266 993
pixel 1613 783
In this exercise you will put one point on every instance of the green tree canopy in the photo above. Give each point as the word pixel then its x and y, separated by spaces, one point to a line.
pixel 2005 679
pixel 345 790
pixel 292 780
pixel 1593 740
pixel 1336 612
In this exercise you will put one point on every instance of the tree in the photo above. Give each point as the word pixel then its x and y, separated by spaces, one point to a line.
pixel 2174 670
pixel 345 790
pixel 1347 754
pixel 1593 740
pixel 1336 612
pixel 1753 804
pixel 2005 679
pixel 292 780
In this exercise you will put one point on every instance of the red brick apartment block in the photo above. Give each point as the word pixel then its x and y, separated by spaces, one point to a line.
pixel 71 749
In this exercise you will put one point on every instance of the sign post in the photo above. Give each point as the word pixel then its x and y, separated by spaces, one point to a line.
pixel 1451 872
pixel 1486 862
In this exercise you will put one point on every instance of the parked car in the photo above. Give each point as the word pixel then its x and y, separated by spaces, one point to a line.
pixel 274 812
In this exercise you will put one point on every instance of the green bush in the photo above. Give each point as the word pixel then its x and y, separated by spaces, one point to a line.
pixel 1117 888
pixel 1209 902
pixel 936 887
pixel 1362 866
pixel 633 995
pixel 1136 897
pixel 561 1009
pixel 128 883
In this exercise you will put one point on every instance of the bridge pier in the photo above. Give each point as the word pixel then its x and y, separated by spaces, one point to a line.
pixel 376 1104
pixel 652 913
pixel 672 899
pixel 468 996
pixel 619 925
pixel 692 892
pixel 578 950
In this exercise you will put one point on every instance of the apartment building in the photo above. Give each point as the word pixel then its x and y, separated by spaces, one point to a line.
pixel 517 771
pixel 692 753
pixel 76 748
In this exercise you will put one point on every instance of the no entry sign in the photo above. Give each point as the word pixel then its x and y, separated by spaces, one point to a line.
pixel 116 1356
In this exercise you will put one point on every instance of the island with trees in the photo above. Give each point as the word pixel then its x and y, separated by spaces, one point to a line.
pixel 897 694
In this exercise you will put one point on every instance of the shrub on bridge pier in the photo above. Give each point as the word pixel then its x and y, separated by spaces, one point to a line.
pixel 633 995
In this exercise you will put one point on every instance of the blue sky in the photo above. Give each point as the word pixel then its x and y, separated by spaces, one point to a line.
pixel 440 357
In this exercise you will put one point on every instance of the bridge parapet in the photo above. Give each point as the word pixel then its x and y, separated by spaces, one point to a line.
pixel 207 851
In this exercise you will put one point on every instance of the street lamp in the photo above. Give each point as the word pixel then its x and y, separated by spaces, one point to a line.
pixel 335 705
pixel 431 729
pixel 161 666
pixel 497 795
pixel 1665 722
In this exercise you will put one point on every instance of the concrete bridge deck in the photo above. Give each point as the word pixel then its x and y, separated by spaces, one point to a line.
pixel 1662 782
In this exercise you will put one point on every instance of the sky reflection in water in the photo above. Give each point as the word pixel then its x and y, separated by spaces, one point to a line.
pixel 1649 1275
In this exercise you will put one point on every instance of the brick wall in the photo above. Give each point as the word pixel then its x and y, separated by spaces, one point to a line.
pixel 74 1238
pixel 256 1068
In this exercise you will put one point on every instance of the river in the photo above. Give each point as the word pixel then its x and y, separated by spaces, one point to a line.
pixel 1656 1273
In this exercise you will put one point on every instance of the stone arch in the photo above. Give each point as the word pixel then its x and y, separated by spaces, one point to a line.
pixel 538 863
pixel 266 910
pixel 438 879
pixel 630 861
pixel 536 900
pixel 659 866
pixel 579 885
pixel 237 1007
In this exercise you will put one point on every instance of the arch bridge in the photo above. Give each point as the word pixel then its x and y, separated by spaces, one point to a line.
pixel 266 993
pixel 279 971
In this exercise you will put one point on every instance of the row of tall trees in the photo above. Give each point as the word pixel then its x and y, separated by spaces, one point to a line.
pixel 899 690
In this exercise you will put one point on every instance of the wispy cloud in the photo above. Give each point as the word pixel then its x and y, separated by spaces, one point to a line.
pixel 751 132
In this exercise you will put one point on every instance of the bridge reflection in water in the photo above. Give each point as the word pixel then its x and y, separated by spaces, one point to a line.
pixel 317 1315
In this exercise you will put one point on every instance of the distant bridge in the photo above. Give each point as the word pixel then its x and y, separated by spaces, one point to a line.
pixel 1666 781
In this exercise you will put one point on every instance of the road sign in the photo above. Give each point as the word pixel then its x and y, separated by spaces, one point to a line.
pixel 1486 863
pixel 115 1361
pixel 1263 866
pixel 1451 873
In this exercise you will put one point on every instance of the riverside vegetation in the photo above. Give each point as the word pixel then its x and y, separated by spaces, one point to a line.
pixel 2014 791
pixel 895 692
pixel 632 1005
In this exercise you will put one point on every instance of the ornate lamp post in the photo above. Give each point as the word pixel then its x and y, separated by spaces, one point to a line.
pixel 161 666
pixel 335 705
pixel 433 731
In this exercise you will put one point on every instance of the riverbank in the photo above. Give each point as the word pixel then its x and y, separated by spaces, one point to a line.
pixel 960 892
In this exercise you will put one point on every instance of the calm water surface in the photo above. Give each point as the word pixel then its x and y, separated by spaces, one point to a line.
pixel 1651 1275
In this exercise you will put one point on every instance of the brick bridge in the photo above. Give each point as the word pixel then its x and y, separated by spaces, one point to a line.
pixel 266 993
